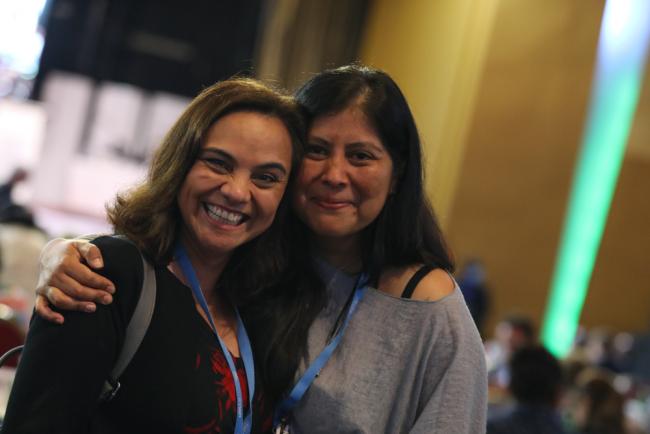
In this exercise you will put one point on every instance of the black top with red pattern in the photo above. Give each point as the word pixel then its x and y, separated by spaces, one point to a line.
pixel 177 382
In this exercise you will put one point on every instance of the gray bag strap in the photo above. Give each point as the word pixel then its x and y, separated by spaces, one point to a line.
pixel 135 331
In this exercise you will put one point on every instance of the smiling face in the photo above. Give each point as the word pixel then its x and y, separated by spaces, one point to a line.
pixel 232 192
pixel 345 177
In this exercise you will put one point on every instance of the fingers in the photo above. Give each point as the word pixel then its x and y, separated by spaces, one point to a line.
pixel 70 285
pixel 90 253
pixel 62 267
pixel 50 260
pixel 42 308
pixel 62 301
pixel 82 276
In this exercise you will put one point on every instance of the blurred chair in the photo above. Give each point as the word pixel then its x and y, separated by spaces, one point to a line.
pixel 10 336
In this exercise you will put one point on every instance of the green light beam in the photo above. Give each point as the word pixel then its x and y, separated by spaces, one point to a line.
pixel 622 52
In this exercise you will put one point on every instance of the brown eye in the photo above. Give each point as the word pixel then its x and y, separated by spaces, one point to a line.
pixel 316 151
pixel 360 157
pixel 266 180
pixel 217 164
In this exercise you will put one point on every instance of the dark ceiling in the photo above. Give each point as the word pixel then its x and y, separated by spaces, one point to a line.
pixel 174 46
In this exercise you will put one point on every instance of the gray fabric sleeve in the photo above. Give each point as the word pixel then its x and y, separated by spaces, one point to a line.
pixel 458 404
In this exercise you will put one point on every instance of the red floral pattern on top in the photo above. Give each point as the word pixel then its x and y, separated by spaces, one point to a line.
pixel 225 398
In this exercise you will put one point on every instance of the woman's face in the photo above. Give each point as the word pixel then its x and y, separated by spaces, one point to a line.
pixel 345 177
pixel 233 190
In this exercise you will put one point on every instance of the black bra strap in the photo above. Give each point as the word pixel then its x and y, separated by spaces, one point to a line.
pixel 419 275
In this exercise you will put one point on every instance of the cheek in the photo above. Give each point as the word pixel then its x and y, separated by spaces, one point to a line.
pixel 375 189
pixel 270 203
pixel 308 171
pixel 182 199
pixel 299 188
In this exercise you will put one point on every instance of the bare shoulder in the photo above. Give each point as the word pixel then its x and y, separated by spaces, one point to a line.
pixel 435 285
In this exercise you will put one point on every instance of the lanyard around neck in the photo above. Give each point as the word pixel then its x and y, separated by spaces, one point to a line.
pixel 242 425
pixel 317 365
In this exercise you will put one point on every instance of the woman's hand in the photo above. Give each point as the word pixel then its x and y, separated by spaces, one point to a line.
pixel 67 281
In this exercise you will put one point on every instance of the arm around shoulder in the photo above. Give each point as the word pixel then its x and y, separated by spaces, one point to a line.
pixel 67 280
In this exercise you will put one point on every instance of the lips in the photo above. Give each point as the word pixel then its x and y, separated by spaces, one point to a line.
pixel 331 203
pixel 224 215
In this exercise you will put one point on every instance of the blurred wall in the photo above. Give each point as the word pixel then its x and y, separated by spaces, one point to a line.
pixel 521 147
pixel 619 295
pixel 500 91
pixel 520 155
pixel 434 50
pixel 299 38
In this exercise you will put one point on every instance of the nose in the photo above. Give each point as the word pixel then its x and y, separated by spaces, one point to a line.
pixel 334 173
pixel 236 190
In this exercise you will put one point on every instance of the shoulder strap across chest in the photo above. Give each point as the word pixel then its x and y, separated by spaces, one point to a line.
pixel 135 330
pixel 413 282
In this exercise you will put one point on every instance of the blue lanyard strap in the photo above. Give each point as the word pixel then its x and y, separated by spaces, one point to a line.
pixel 317 365
pixel 242 425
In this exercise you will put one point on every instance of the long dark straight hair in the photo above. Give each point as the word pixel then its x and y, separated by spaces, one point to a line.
pixel 279 317
pixel 406 231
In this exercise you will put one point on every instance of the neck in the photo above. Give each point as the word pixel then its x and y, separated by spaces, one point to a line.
pixel 207 266
pixel 342 253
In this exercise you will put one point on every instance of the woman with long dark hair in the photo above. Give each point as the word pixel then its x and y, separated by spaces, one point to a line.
pixel 395 349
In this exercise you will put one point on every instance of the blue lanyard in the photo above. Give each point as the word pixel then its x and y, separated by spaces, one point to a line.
pixel 242 425
pixel 317 365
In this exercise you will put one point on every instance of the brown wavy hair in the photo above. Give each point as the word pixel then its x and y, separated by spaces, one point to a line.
pixel 148 214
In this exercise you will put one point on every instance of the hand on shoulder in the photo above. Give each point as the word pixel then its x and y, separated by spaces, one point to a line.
pixel 68 279
pixel 435 285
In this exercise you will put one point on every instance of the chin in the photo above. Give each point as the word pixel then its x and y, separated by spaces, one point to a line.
pixel 222 244
pixel 330 231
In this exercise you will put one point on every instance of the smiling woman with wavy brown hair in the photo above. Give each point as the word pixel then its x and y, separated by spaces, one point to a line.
pixel 148 214
pixel 209 219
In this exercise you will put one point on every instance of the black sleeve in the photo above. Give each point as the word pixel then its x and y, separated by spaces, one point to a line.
pixel 63 367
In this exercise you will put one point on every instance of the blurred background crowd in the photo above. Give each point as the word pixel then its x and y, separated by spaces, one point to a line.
pixel 501 91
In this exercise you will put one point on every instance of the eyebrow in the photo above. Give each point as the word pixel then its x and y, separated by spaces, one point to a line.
pixel 374 146
pixel 277 166
pixel 230 158
pixel 219 152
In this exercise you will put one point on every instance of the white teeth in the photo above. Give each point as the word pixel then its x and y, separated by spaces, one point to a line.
pixel 225 216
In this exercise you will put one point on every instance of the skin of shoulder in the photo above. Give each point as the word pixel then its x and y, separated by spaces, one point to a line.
pixel 436 285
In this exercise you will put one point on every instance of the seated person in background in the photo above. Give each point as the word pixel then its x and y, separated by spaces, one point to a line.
pixel 18 176
pixel 471 280
pixel 511 333
pixel 535 384
pixel 599 408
